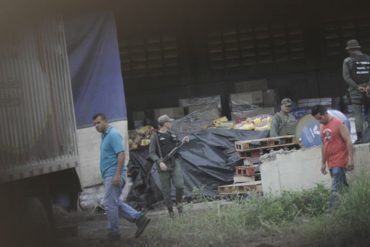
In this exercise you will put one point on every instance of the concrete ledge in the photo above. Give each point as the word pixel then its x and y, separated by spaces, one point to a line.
pixel 300 169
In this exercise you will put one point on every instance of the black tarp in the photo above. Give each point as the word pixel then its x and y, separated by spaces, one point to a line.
pixel 207 161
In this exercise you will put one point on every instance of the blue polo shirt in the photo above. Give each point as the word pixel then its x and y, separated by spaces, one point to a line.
pixel 111 145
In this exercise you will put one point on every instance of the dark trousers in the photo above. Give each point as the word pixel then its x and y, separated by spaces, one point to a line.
pixel 174 176
pixel 339 181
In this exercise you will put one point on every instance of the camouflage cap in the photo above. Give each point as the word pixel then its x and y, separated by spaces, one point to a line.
pixel 353 44
pixel 164 119
pixel 286 101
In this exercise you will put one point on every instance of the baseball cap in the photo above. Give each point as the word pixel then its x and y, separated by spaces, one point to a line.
pixel 286 101
pixel 164 119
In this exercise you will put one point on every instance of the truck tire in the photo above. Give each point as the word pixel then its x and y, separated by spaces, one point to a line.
pixel 36 225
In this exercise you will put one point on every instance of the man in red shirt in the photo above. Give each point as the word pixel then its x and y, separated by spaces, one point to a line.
pixel 336 150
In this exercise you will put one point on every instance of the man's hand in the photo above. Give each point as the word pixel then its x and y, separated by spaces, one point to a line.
pixel 163 167
pixel 186 139
pixel 367 90
pixel 323 169
pixel 350 165
pixel 362 89
pixel 116 181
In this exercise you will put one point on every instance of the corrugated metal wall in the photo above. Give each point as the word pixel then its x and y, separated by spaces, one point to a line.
pixel 37 135
pixel 296 45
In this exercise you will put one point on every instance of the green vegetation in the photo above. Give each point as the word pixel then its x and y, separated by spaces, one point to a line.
pixel 300 216
pixel 349 225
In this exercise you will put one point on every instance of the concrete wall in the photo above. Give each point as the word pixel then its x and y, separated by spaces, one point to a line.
pixel 300 169
pixel 89 151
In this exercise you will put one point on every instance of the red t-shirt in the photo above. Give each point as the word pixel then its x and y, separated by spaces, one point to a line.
pixel 335 148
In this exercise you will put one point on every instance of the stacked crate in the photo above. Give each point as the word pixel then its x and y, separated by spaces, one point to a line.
pixel 246 177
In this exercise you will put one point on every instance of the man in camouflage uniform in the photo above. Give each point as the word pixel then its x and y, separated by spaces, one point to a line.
pixel 356 71
pixel 161 144
pixel 283 122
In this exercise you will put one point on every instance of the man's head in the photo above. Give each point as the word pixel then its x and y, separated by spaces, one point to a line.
pixel 165 121
pixel 100 122
pixel 320 113
pixel 286 105
pixel 352 45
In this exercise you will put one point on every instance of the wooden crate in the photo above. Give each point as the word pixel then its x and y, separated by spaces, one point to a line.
pixel 240 188
pixel 243 179
pixel 247 171
pixel 266 143
pixel 248 160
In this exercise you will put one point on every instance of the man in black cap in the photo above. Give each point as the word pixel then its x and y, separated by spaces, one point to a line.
pixel 161 144
pixel 356 73
pixel 283 122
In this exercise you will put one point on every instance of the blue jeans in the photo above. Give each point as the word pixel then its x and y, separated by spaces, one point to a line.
pixel 115 207
pixel 339 181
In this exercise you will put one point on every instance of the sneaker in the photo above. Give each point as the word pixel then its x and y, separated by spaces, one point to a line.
pixel 141 224
pixel 113 236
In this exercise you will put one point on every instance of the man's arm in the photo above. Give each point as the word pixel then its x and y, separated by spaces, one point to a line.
pixel 323 160
pixel 347 139
pixel 118 148
pixel 347 74
pixel 274 132
pixel 153 153
pixel 153 148
pixel 120 162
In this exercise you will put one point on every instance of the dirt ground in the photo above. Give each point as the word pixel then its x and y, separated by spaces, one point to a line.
pixel 91 232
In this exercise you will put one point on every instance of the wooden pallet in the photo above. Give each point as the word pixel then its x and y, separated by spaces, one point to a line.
pixel 243 179
pixel 266 143
pixel 253 156
pixel 247 160
pixel 240 188
pixel 247 171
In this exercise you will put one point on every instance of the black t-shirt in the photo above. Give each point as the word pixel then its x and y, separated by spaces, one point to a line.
pixel 167 141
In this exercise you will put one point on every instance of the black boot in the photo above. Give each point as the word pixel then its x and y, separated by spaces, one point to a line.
pixel 171 213
pixel 179 195
pixel 141 224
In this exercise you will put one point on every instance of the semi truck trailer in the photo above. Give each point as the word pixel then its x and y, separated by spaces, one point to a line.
pixel 39 158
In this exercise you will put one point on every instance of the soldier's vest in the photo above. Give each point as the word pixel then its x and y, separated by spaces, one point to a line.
pixel 360 69
pixel 288 125
pixel 360 73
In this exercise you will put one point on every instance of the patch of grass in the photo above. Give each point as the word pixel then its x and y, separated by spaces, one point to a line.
pixel 198 195
pixel 287 207
pixel 354 206
pixel 349 224
pixel 239 220
pixel 300 216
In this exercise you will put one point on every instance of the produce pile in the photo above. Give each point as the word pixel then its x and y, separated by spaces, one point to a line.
pixel 140 138
pixel 257 123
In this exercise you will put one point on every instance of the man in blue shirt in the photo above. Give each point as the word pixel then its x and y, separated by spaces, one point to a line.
pixel 112 157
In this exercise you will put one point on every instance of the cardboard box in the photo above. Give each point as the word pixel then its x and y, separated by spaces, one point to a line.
pixel 206 107
pixel 172 112
pixel 251 98
pixel 215 100
pixel 315 101
pixel 138 115
pixel 270 98
pixel 252 113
